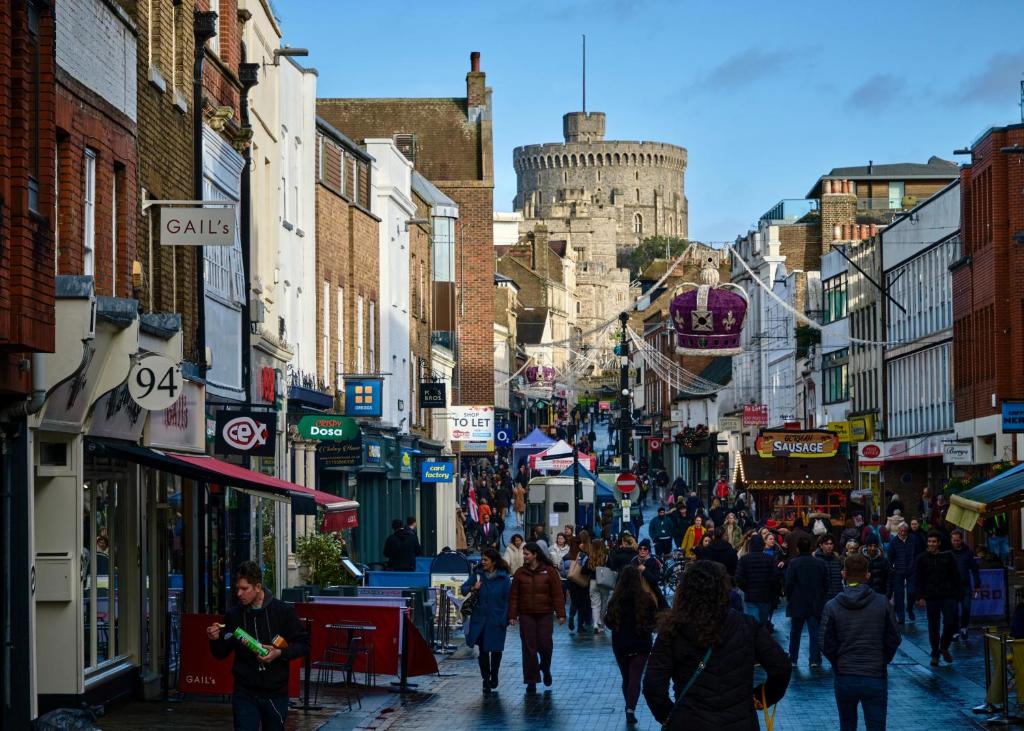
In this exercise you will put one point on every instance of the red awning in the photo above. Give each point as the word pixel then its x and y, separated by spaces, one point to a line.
pixel 238 476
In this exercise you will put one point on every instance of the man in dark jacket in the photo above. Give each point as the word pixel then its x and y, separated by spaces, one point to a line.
pixel 902 557
pixel 878 566
pixel 719 550
pixel 399 550
pixel 859 637
pixel 488 534
pixel 660 529
pixel 757 576
pixel 967 565
pixel 793 539
pixel 410 529
pixel 260 697
pixel 940 587
pixel 826 552
pixel 680 522
pixel 806 583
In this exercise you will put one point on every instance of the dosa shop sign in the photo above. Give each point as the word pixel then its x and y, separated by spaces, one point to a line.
pixel 812 443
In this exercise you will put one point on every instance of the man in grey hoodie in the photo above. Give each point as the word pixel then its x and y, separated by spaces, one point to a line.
pixel 859 636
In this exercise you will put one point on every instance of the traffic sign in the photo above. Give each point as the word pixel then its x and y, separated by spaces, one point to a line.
pixel 625 482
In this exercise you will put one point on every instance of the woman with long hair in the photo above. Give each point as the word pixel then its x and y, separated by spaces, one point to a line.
pixel 514 554
pixel 597 558
pixel 710 650
pixel 536 596
pixel 489 620
pixel 733 532
pixel 579 589
pixel 632 617
pixel 691 539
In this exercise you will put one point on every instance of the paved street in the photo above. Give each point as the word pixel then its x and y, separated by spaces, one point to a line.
pixel 586 695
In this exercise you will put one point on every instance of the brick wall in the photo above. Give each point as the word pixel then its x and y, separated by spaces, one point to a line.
pixel 836 209
pixel 26 149
pixel 988 303
pixel 164 98
pixel 348 256
pixel 86 122
pixel 800 243
pixel 420 301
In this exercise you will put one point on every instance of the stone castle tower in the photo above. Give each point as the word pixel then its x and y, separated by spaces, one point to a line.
pixel 604 197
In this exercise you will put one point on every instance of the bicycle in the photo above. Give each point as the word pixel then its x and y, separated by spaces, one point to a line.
pixel 672 570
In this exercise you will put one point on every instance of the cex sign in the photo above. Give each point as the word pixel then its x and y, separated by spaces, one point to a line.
pixel 245 432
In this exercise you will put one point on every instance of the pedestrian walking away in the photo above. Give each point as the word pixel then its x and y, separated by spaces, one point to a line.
pixel 400 548
pixel 260 698
pixel 806 584
pixel 536 596
pixel 632 616
pixel 758 578
pixel 970 576
pixel 489 619
pixel 859 636
pixel 602 581
pixel 941 588
pixel 708 651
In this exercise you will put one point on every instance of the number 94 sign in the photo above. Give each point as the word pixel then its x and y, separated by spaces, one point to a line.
pixel 155 382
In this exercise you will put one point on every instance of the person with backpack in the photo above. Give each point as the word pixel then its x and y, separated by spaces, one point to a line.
pixel 859 637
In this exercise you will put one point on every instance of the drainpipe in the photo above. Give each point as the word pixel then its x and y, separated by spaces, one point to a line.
pixel 204 27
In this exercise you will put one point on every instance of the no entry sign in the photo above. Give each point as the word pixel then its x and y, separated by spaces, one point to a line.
pixel 625 482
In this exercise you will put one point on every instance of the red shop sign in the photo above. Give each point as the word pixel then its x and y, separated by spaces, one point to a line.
pixel 200 673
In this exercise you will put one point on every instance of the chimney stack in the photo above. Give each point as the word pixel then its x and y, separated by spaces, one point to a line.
pixel 474 61
pixel 476 91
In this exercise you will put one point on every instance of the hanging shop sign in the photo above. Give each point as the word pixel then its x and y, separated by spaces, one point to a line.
pixel 730 423
pixel 958 453
pixel 197 226
pixel 116 415
pixel 1013 417
pixel 861 428
pixel 374 451
pixel 842 430
pixel 503 434
pixel 155 382
pixel 363 397
pixel 708 316
pixel 433 396
pixel 472 424
pixel 755 415
pixel 250 433
pixel 405 462
pixel 328 427
pixel 871 454
pixel 181 426
pixel 784 443
pixel 604 405
pixel 437 471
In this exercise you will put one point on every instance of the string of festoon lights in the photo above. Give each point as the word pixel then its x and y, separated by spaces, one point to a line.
pixel 678 378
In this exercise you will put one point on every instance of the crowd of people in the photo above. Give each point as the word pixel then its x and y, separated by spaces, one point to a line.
pixel 851 586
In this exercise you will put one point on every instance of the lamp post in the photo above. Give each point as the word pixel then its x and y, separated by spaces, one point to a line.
pixel 625 417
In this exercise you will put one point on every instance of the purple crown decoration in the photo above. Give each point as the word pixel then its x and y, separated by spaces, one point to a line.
pixel 708 317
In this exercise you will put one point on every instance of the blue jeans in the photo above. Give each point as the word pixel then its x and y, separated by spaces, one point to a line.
pixel 903 595
pixel 760 611
pixel 796 628
pixel 253 712
pixel 872 694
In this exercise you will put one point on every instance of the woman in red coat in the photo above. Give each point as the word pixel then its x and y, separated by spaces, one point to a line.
pixel 536 596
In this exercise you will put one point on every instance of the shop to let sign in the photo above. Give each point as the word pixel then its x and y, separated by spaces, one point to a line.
pixel 783 443
pixel 472 423
pixel 755 415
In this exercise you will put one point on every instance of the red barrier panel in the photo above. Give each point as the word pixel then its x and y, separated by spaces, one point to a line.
pixel 384 639
pixel 200 673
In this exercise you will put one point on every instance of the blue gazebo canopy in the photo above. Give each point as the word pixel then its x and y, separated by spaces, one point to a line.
pixel 534 440
pixel 602 490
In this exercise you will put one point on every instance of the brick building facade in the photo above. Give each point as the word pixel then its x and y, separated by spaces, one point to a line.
pixel 347 256
pixel 449 141
pixel 988 300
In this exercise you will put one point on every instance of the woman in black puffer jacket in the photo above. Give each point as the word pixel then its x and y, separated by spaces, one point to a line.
pixel 722 696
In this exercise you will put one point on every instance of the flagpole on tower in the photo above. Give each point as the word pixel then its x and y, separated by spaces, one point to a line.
pixel 584 73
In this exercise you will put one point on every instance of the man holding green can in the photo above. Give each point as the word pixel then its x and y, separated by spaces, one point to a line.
pixel 260 699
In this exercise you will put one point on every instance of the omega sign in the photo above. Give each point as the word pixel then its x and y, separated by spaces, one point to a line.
pixel 783 443
pixel 197 226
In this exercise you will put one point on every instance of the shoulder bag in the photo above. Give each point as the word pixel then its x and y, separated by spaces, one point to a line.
pixel 673 714
pixel 606 578
pixel 470 602
pixel 575 574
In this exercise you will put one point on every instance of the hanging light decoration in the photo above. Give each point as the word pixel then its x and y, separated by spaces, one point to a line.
pixel 708 317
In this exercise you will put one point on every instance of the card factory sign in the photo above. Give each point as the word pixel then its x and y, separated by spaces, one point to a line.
pixel 197 226
pixel 784 443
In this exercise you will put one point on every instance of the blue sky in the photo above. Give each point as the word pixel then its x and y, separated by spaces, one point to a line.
pixel 766 96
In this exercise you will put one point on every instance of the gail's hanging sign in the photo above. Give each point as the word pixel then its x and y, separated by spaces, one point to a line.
pixel 784 443
pixel 708 317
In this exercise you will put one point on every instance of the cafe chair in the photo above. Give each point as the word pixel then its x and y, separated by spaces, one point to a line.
pixel 339 656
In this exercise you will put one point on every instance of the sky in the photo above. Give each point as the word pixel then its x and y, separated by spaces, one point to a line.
pixel 765 96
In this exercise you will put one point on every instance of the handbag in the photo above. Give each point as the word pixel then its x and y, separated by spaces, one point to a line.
pixel 470 602
pixel 689 683
pixel 606 578
pixel 576 574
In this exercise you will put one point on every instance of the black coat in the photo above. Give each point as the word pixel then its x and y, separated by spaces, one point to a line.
pixel 859 635
pixel 758 577
pixel 720 550
pixel 806 584
pixel 630 637
pixel 879 569
pixel 722 697
pixel 275 617
pixel 400 550
pixel 834 566
pixel 937 576
pixel 620 558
